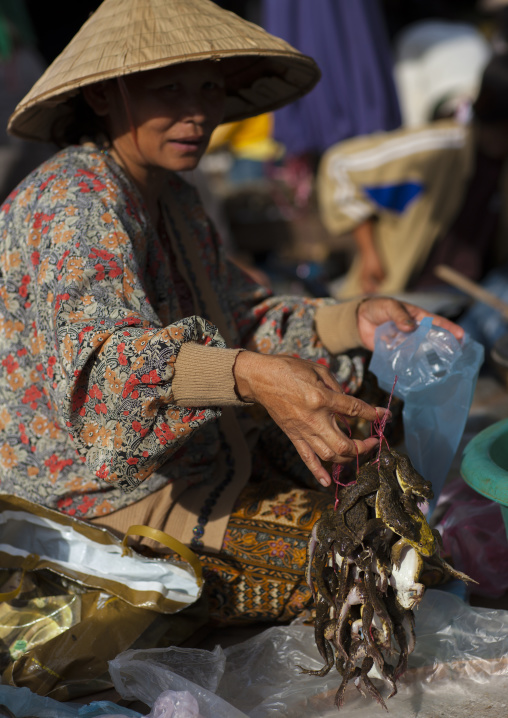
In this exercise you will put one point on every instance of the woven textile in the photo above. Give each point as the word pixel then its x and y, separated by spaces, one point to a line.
pixel 260 573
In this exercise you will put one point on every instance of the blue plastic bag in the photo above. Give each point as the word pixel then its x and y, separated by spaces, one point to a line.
pixel 436 378
pixel 22 702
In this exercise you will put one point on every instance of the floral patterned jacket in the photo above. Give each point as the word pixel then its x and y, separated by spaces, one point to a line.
pixel 90 329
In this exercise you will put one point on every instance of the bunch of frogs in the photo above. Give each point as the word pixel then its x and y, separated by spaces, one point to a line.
pixel 365 557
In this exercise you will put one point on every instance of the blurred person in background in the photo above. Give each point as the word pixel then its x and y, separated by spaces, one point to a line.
pixel 438 68
pixel 419 197
pixel 356 94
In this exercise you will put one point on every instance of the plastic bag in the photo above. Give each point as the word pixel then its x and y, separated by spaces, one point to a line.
pixel 145 675
pixel 459 666
pixel 436 378
pixel 25 624
pixel 131 597
pixel 22 702
pixel 175 704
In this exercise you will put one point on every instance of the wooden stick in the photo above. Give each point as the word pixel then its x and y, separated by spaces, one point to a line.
pixel 474 290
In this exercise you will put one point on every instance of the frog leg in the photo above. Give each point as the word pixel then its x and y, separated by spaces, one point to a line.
pixel 406 647
pixel 365 685
pixel 352 673
pixel 397 552
pixel 372 648
pixel 320 626
pixel 401 638
pixel 404 626
pixel 439 561
pixel 349 671
pixel 367 616
pixel 382 570
pixel 371 526
pixel 409 626
pixel 322 574
pixel 326 651
pixel 378 606
pixel 344 582
pixel 408 502
pixel 354 597
pixel 322 632
pixel 311 552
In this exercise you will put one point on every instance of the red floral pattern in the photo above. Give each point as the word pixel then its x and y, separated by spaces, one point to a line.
pixel 90 328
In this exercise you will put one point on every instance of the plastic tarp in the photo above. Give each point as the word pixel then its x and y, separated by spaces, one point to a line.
pixel 459 667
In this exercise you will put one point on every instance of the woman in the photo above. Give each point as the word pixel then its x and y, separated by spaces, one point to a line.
pixel 138 361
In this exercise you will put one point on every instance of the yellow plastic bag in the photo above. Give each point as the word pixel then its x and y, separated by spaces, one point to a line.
pixel 76 596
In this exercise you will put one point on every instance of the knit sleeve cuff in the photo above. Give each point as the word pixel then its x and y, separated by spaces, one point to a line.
pixel 337 326
pixel 204 376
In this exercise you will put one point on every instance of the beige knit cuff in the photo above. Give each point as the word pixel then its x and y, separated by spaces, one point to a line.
pixel 337 326
pixel 204 376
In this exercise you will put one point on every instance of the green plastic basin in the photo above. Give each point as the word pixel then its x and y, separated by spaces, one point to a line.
pixel 485 465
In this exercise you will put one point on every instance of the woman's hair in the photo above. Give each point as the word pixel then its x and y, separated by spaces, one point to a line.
pixel 491 104
pixel 77 122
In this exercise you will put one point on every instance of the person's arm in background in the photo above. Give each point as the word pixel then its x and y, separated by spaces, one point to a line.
pixel 372 271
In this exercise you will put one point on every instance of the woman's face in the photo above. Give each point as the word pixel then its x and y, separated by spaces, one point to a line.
pixel 164 118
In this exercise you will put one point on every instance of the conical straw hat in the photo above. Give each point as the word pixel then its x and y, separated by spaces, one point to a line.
pixel 126 36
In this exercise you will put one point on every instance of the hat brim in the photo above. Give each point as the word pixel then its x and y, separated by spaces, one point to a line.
pixel 268 73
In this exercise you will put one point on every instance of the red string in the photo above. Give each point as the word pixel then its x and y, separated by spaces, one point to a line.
pixel 342 418
pixel 379 428
pixel 379 424
pixel 337 468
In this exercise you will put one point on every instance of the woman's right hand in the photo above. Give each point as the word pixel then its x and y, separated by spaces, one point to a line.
pixel 304 398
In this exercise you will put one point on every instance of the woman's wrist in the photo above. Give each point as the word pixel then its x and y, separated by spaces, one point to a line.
pixel 243 370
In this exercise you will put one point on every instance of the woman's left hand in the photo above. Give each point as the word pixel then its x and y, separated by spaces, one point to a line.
pixel 377 310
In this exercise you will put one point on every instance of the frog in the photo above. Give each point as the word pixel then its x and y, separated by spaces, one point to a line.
pixel 332 529
pixel 324 627
pixel 426 541
pixel 379 630
pixel 321 540
pixel 357 516
pixel 351 533
pixel 381 565
pixel 403 625
pixel 406 569
pixel 391 512
pixel 356 595
pixel 410 481
pixel 358 520
pixel 378 607
pixel 370 634
pixel 438 561
pixel 360 651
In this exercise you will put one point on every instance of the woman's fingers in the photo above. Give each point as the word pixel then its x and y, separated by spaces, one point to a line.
pixel 306 400
pixel 312 456
pixel 377 310
pixel 438 320
pixel 312 462
pixel 324 441
pixel 351 407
